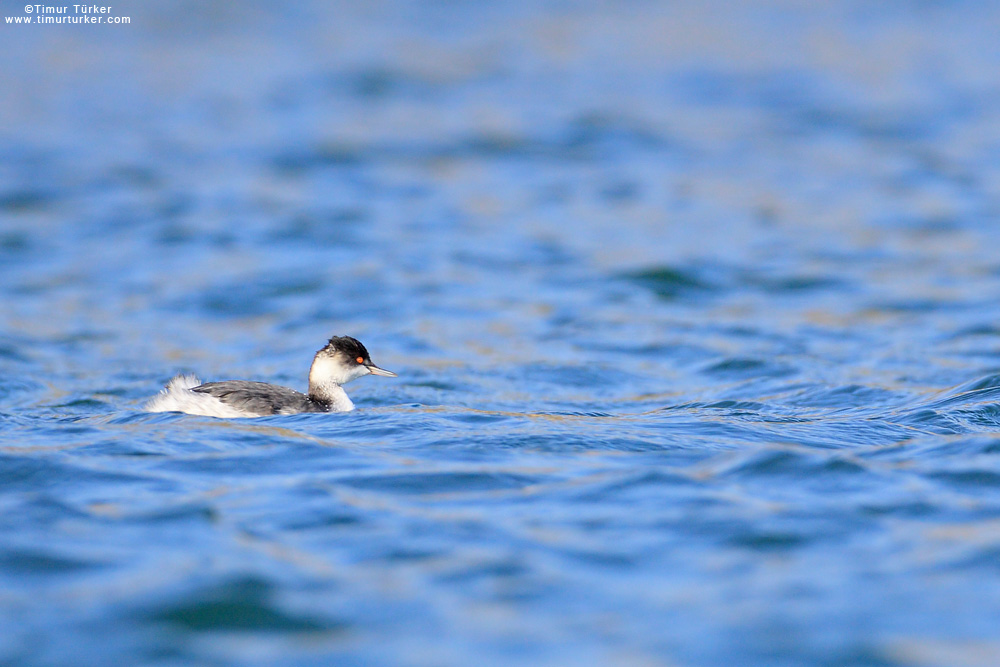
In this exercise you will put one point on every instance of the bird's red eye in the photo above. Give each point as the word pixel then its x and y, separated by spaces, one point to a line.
pixel 360 360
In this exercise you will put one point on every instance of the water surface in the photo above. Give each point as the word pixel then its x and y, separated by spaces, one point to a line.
pixel 694 311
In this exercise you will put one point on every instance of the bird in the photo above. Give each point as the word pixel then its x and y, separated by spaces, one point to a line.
pixel 341 360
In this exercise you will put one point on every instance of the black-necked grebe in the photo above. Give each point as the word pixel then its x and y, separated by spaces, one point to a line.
pixel 342 360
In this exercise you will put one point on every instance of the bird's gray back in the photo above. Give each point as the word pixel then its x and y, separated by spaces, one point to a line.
pixel 260 397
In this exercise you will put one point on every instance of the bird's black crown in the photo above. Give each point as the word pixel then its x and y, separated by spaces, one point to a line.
pixel 351 347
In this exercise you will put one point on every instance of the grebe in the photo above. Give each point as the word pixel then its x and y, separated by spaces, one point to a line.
pixel 342 360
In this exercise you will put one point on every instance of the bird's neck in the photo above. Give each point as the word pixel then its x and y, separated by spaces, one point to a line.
pixel 331 394
pixel 325 378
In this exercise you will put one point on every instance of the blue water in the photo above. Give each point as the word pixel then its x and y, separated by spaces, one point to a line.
pixel 695 310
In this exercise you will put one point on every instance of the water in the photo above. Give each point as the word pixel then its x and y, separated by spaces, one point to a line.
pixel 695 312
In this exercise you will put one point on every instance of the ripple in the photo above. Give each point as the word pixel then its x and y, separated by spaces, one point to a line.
pixel 24 201
pixel 28 562
pixel 422 483
pixel 791 463
pixel 243 605
pixel 748 367
pixel 670 282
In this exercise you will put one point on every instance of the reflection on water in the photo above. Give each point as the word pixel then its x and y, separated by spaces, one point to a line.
pixel 694 311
